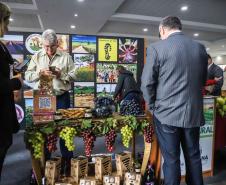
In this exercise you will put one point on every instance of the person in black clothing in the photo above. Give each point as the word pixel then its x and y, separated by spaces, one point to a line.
pixel 126 88
pixel 8 117
pixel 214 71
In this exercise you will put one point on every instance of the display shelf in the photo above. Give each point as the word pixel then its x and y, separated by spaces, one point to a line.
pixel 97 125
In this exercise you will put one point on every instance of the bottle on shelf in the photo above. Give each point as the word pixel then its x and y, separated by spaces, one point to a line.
pixel 33 179
pixel 149 177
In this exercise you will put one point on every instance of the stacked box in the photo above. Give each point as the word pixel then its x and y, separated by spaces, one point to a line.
pixel 90 181
pixel 123 163
pixel 79 168
pixel 44 108
pixel 132 179
pixel 52 170
pixel 103 166
pixel 111 180
pixel 66 181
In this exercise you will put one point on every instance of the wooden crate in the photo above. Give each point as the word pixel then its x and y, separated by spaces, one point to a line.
pixel 132 179
pixel 52 170
pixel 111 180
pixel 66 181
pixel 103 166
pixel 79 168
pixel 123 163
pixel 90 181
pixel 44 103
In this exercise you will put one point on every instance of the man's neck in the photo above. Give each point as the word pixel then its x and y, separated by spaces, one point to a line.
pixel 173 31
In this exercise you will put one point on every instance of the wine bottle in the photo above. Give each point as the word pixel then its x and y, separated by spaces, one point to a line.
pixel 149 177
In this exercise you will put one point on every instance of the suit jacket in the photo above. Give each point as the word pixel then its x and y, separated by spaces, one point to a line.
pixel 172 81
pixel 215 71
pixel 8 118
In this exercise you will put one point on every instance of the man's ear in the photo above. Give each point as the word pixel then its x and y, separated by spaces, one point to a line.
pixel 57 43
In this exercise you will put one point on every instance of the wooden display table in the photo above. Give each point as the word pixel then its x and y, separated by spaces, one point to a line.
pixel 39 165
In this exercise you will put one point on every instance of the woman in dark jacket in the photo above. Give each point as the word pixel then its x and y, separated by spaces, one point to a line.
pixel 126 88
pixel 8 118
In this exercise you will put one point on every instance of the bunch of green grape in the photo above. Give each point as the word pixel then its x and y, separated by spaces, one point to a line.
pixel 127 134
pixel 37 142
pixel 68 134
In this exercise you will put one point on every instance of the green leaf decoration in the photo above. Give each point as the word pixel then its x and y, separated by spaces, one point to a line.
pixel 47 130
pixel 86 124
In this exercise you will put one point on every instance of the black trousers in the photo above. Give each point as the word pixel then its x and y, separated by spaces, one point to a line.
pixel 3 151
pixel 170 139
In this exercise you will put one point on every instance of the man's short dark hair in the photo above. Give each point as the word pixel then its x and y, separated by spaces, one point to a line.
pixel 171 22
pixel 209 57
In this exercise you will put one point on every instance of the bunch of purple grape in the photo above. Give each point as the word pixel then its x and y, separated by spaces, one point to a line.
pixel 110 140
pixel 130 107
pixel 51 142
pixel 88 138
pixel 148 133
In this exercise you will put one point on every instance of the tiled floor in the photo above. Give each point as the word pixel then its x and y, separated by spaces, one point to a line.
pixel 17 165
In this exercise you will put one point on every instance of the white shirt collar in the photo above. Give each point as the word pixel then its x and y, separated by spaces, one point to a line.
pixel 176 31
pixel 210 65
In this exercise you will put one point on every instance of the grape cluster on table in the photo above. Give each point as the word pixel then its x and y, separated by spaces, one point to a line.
pixel 130 107
pixel 104 107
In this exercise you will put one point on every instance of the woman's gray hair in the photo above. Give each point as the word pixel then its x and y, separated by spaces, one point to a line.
pixel 50 36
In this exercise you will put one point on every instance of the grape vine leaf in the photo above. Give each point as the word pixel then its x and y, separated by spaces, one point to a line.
pixel 86 123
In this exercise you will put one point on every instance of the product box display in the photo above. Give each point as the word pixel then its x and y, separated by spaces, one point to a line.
pixel 43 117
pixel 123 163
pixel 90 181
pixel 44 103
pixel 111 180
pixel 103 166
pixel 132 179
pixel 52 170
pixel 65 181
pixel 79 168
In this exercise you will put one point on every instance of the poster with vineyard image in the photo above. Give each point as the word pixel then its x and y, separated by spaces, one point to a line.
pixel 84 64
pixel 105 90
pixel 83 44
pixel 106 73
pixel 128 50
pixel 84 94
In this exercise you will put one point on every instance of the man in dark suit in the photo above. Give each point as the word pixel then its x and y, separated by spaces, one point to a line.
pixel 214 71
pixel 172 82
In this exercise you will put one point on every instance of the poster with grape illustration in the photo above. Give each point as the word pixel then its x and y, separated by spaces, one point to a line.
pixel 84 94
pixel 128 50
pixel 107 50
